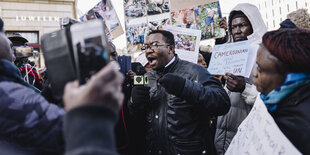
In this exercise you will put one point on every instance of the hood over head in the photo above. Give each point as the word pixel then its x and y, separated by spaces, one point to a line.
pixel 255 18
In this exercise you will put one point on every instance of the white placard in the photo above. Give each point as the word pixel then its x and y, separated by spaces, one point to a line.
pixel 186 42
pixel 258 134
pixel 237 58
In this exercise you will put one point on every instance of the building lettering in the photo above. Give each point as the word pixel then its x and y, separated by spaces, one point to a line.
pixel 38 18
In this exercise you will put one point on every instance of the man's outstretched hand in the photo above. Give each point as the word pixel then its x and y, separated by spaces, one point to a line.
pixel 173 83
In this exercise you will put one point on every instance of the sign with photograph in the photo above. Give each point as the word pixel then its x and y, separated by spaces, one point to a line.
pixel 186 42
pixel 186 4
pixel 259 134
pixel 204 17
pixel 157 6
pixel 143 16
pixel 105 11
pixel 136 31
pixel 184 18
pixel 236 58
pixel 207 19
pixel 135 8
pixel 157 22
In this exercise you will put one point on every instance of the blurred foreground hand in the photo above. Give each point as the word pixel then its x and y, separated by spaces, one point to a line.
pixel 105 87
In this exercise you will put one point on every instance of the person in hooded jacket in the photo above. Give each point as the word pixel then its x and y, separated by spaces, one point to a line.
pixel 245 23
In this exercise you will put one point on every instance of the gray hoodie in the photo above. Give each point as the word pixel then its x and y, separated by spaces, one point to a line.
pixel 241 103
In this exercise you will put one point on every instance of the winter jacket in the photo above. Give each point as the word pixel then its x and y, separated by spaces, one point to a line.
pixel 293 118
pixel 90 130
pixel 28 121
pixel 181 124
pixel 241 103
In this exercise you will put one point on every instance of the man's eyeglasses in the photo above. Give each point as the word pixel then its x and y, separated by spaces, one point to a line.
pixel 153 46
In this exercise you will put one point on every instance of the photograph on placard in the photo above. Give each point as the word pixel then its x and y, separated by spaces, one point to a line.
pixel 207 19
pixel 156 22
pixel 105 11
pixel 184 18
pixel 187 4
pixel 135 8
pixel 136 31
pixel 157 6
pixel 185 42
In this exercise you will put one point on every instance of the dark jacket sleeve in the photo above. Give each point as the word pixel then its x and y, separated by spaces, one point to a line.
pixel 90 130
pixel 28 120
pixel 207 92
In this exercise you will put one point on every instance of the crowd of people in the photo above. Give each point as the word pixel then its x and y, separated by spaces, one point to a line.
pixel 182 110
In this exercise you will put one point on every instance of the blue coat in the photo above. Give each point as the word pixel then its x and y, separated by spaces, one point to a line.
pixel 28 121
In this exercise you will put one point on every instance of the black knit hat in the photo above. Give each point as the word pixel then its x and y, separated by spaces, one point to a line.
pixel 17 39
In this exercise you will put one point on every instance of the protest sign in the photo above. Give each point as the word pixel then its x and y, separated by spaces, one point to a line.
pixel 158 21
pixel 157 6
pixel 184 18
pixel 207 19
pixel 236 58
pixel 105 11
pixel 204 17
pixel 259 134
pixel 186 4
pixel 186 42
pixel 136 30
pixel 135 8
pixel 149 15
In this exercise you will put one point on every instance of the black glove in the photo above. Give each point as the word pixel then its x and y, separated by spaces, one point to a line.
pixel 140 95
pixel 173 84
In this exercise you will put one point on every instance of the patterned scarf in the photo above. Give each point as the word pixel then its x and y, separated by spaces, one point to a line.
pixel 292 82
pixel 9 72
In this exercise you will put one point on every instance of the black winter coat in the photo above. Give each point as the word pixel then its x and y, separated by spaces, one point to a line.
pixel 181 124
pixel 293 118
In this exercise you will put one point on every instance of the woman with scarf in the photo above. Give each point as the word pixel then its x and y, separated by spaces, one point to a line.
pixel 282 75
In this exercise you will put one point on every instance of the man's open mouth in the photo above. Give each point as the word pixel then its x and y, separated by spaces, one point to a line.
pixel 152 60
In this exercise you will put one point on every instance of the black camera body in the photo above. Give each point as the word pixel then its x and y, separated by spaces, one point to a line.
pixel 74 53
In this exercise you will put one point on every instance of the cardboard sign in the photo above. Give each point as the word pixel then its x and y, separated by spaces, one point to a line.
pixel 259 134
pixel 236 58
pixel 186 42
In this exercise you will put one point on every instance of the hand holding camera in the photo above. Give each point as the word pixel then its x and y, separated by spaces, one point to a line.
pixel 103 88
